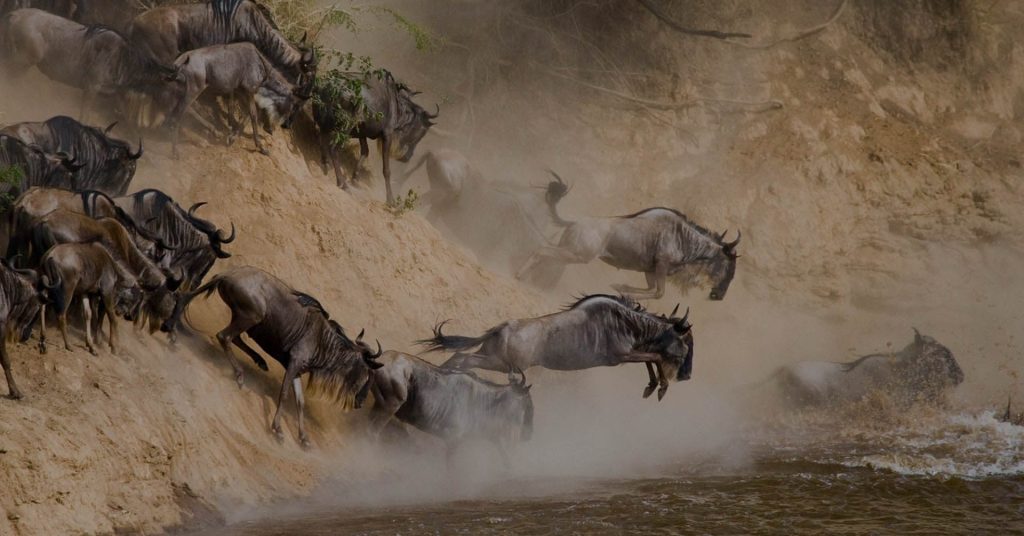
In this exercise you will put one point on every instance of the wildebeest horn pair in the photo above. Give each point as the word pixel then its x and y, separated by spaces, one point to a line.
pixel 220 234
pixel 516 377
pixel 566 186
pixel 729 248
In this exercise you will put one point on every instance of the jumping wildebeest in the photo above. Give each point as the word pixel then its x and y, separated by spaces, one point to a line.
pixel 383 111
pixel 87 271
pixel 36 167
pixel 502 222
pixel 164 33
pixel 596 331
pixel 240 71
pixel 95 59
pixel 22 293
pixel 657 241
pixel 293 329
pixel 455 406
pixel 923 370
pixel 108 164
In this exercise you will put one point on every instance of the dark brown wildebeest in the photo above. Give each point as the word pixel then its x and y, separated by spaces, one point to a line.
pixel 88 271
pixel 503 223
pixel 295 330
pixel 596 331
pixel 22 293
pixel 657 241
pixel 921 371
pixel 455 406
pixel 383 111
pixel 35 167
pixel 237 70
pixel 108 164
pixel 164 33
pixel 95 59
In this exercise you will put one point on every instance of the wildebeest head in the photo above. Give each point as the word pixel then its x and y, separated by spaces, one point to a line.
pixel 722 267
pixel 675 345
pixel 929 367
pixel 216 236
pixel 417 122
pixel 369 355
pixel 128 299
pixel 120 166
pixel 279 109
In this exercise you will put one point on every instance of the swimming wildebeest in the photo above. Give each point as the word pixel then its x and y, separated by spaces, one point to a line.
pixel 95 59
pixel 88 271
pixel 22 293
pixel 108 164
pixel 295 330
pixel 164 33
pixel 455 406
pixel 384 110
pixel 35 167
pixel 922 370
pixel 657 241
pixel 502 222
pixel 596 331
pixel 237 70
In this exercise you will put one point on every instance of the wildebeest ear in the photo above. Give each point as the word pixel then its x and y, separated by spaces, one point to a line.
pixel 917 336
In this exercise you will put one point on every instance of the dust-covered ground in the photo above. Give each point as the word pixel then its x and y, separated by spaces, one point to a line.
pixel 884 194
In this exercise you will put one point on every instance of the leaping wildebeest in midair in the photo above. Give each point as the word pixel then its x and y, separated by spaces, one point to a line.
pixel 108 164
pixel 293 328
pixel 383 110
pixel 656 241
pixel 922 371
pixel 453 405
pixel 237 70
pixel 596 331
pixel 22 293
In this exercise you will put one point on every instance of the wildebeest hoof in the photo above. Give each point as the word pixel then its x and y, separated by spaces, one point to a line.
pixel 15 395
pixel 661 393
pixel 278 435
pixel 42 348
pixel 263 151
pixel 92 351
pixel 649 390
pixel 240 381
pixel 305 444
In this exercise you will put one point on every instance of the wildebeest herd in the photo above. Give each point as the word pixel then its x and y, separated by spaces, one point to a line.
pixel 75 241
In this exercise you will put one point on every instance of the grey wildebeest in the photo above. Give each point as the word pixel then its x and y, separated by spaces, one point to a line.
pixel 596 331
pixel 34 166
pixel 237 70
pixel 88 271
pixel 502 222
pixel 383 110
pixel 22 293
pixel 108 164
pixel 95 59
pixel 295 330
pixel 657 241
pixel 922 370
pixel 164 33
pixel 455 406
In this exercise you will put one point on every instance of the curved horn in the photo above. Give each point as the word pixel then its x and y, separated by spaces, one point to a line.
pixel 379 350
pixel 732 245
pixel 557 177
pixel 437 113
pixel 110 127
pixel 230 238
pixel 138 154
pixel 195 207
pixel 56 282
pixel 360 336
pixel 674 311
pixel 722 236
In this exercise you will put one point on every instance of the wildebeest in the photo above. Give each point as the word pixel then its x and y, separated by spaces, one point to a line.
pixel 922 370
pixel 384 110
pixel 502 222
pixel 64 8
pixel 455 406
pixel 656 241
pixel 108 164
pixel 35 167
pixel 89 271
pixel 164 33
pixel 95 59
pixel 22 293
pixel 596 331
pixel 237 70
pixel 296 331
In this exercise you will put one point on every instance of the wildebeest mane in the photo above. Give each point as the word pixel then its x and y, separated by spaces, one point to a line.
pixel 624 301
pixel 224 11
pixel 93 30
pixel 337 370
pixel 696 226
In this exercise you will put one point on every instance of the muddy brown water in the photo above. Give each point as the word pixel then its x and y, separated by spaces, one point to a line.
pixel 959 473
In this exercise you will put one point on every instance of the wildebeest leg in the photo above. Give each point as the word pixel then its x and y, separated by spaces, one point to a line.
pixel 235 125
pixel 286 384
pixel 226 336
pixel 42 329
pixel 655 285
pixel 387 399
pixel 662 382
pixel 111 314
pixel 188 96
pixel 654 380
pixel 385 154
pixel 256 357
pixel 5 361
pixel 503 452
pixel 87 311
pixel 364 153
pixel 253 113
pixel 461 361
pixel 300 406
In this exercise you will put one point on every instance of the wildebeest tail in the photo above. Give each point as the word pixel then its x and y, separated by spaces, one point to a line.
pixel 440 341
pixel 184 299
pixel 57 294
pixel 556 190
